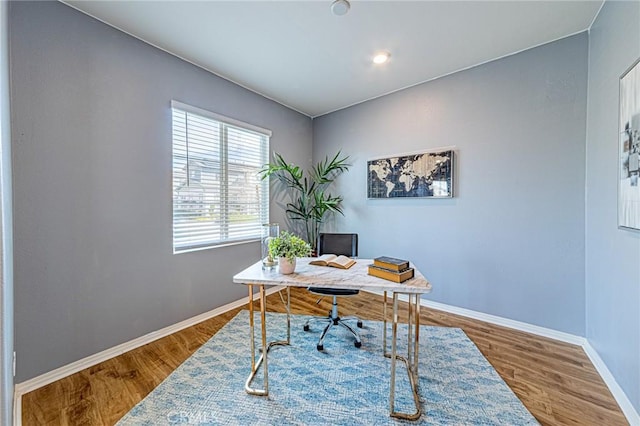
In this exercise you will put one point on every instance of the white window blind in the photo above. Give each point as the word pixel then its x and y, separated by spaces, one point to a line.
pixel 218 196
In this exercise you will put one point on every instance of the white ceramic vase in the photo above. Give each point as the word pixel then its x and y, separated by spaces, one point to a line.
pixel 286 267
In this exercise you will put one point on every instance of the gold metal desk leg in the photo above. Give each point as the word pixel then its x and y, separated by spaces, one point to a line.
pixel 417 340
pixel 414 331
pixel 411 371
pixel 409 330
pixel 263 356
pixel 394 333
pixel 265 347
pixel 263 326
pixel 251 330
pixel 384 326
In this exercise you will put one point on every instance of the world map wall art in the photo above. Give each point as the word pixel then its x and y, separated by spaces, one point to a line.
pixel 629 149
pixel 426 174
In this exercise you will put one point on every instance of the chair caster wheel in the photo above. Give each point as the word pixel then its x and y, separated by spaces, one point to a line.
pixel 359 324
pixel 306 327
pixel 319 347
pixel 358 344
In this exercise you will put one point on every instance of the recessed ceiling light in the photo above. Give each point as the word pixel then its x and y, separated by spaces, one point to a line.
pixel 340 7
pixel 381 57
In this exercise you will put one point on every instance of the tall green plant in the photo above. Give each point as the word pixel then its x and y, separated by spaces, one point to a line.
pixel 311 200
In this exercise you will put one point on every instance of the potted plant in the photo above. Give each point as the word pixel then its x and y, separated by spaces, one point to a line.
pixel 310 200
pixel 287 247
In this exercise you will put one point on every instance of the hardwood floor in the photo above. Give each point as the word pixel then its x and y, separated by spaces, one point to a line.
pixel 555 381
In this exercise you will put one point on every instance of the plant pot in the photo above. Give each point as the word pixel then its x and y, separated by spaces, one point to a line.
pixel 285 266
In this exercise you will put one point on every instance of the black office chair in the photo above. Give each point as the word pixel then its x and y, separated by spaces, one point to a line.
pixel 338 244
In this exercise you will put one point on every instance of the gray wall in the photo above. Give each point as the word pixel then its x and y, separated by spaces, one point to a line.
pixel 6 233
pixel 612 255
pixel 92 185
pixel 511 242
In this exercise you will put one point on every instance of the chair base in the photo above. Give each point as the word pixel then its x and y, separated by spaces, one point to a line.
pixel 334 320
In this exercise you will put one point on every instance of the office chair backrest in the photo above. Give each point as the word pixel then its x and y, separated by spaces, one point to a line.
pixel 345 244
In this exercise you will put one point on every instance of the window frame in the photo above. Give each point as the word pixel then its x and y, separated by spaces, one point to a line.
pixel 224 202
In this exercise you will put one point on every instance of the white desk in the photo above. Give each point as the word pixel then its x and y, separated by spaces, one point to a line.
pixel 357 278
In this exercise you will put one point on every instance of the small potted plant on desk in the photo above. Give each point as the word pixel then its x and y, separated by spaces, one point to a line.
pixel 287 247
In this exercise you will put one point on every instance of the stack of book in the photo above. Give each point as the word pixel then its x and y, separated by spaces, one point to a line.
pixel 391 269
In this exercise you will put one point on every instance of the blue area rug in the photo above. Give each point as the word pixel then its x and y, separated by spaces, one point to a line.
pixel 341 386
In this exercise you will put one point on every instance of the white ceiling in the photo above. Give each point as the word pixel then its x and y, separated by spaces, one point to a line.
pixel 301 55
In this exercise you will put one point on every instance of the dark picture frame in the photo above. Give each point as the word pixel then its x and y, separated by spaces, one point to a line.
pixel 427 174
pixel 629 149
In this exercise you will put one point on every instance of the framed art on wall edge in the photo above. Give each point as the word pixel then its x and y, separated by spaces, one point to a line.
pixel 629 149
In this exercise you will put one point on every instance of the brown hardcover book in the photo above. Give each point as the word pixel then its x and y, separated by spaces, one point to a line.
pixel 342 262
pixel 391 263
pixel 394 276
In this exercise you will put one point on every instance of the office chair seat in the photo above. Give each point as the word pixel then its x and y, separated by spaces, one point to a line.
pixel 333 291
pixel 338 244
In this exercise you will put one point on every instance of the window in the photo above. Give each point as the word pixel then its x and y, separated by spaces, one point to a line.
pixel 218 196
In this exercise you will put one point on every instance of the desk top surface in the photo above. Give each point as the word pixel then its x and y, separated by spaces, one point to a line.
pixel 355 277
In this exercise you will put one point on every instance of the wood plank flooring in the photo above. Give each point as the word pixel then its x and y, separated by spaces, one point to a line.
pixel 554 380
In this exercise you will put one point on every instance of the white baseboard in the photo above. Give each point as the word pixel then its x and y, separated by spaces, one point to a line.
pixel 69 369
pixel 504 322
pixel 509 323
pixel 621 398
pixel 625 404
